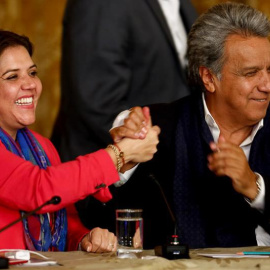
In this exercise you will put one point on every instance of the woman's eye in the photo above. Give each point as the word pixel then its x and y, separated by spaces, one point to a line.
pixel 12 77
pixel 33 73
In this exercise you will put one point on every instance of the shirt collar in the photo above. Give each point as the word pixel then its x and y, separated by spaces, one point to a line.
pixel 216 131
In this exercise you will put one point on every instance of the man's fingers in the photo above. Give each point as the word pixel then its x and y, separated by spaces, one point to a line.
pixel 146 113
pixel 139 111
pixel 157 129
pixel 213 147
pixel 221 139
pixel 137 115
pixel 138 128
pixel 134 126
pixel 119 133
pixel 136 121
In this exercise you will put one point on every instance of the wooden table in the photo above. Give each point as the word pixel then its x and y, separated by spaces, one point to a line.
pixel 81 260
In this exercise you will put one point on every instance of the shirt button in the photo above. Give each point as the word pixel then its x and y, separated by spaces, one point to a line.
pixel 100 186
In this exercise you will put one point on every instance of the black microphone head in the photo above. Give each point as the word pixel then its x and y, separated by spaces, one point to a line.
pixel 54 200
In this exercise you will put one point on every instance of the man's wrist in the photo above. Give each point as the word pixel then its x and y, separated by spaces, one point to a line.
pixel 119 120
pixel 258 182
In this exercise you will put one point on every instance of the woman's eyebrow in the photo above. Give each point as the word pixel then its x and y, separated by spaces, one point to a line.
pixel 16 69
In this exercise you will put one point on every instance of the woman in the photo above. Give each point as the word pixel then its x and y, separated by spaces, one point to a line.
pixel 31 171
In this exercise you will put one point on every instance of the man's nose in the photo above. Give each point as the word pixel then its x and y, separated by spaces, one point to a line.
pixel 265 81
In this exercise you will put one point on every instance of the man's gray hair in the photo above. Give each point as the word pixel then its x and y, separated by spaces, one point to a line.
pixel 209 33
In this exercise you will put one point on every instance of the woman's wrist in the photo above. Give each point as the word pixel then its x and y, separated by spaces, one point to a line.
pixel 128 147
pixel 121 154
pixel 117 155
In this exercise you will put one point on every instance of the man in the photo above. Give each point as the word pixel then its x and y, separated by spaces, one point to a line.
pixel 117 54
pixel 214 151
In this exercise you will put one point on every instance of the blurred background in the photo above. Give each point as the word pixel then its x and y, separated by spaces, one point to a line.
pixel 41 21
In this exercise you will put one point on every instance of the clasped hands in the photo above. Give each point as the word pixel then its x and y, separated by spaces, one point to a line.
pixel 227 159
pixel 138 126
pixel 135 126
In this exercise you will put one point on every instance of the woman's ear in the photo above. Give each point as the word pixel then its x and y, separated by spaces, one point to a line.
pixel 207 79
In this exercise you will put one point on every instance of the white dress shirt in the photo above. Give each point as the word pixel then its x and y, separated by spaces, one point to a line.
pixel 170 9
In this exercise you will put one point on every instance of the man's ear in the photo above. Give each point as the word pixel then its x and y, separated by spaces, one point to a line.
pixel 207 79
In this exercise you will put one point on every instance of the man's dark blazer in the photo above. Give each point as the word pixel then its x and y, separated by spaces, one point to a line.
pixel 116 54
pixel 209 212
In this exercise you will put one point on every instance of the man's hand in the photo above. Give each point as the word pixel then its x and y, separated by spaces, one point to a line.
pixel 229 159
pixel 135 125
pixel 138 136
pixel 99 240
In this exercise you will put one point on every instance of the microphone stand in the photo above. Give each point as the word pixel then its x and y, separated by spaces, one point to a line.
pixel 171 250
pixel 53 200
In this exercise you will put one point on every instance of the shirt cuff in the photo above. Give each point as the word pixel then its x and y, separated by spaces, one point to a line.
pixel 124 177
pixel 119 120
pixel 258 203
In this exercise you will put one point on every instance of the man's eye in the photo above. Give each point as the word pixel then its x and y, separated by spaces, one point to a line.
pixel 250 74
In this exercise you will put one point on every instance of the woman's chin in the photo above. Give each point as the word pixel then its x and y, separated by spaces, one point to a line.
pixel 27 122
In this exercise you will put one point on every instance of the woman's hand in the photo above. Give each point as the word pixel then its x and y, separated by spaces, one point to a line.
pixel 137 138
pixel 141 150
pixel 98 241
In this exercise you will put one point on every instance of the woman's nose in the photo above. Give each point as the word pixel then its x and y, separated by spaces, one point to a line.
pixel 28 83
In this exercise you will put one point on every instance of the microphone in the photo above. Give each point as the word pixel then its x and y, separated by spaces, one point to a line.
pixel 4 262
pixel 54 200
pixel 171 250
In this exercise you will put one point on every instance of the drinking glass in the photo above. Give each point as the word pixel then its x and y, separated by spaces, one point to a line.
pixel 129 230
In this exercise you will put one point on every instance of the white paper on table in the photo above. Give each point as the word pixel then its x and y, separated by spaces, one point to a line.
pixel 39 262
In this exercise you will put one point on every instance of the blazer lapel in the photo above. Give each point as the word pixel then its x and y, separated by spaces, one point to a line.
pixel 155 7
pixel 205 131
pixel 188 14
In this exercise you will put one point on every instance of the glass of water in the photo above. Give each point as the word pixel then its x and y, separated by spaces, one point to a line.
pixel 129 230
